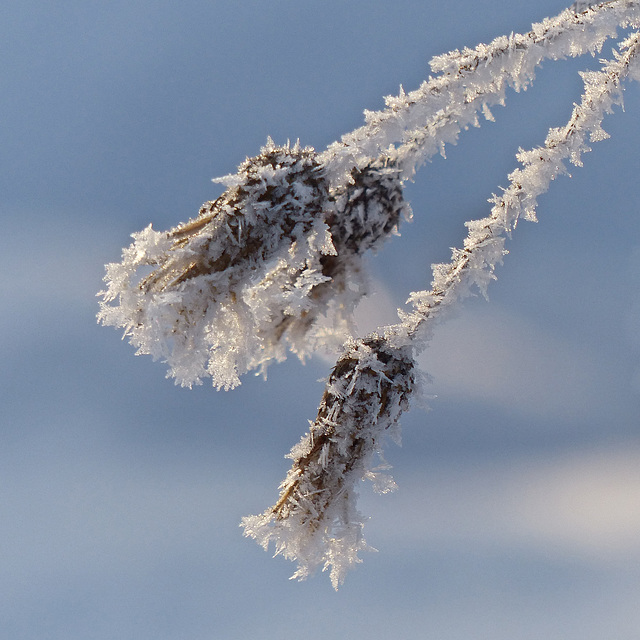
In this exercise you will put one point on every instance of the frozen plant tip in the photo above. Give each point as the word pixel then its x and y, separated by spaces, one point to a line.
pixel 215 301
pixel 276 264
pixel 315 521
pixel 257 270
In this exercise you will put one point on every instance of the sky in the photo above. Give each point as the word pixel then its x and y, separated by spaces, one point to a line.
pixel 518 508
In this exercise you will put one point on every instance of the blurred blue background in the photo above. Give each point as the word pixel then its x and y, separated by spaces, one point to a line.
pixel 518 512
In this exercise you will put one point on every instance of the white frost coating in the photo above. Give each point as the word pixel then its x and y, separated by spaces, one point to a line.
pixel 315 522
pixel 257 270
pixel 469 81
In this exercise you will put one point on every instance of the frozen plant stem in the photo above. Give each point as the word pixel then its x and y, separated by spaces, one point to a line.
pixel 276 264
pixel 484 245
pixel 315 521
pixel 469 82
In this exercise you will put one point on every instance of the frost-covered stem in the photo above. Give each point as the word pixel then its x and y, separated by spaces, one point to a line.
pixel 468 81
pixel 315 521
pixel 484 246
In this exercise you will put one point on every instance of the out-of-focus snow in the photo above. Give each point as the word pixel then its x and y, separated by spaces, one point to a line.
pixel 584 504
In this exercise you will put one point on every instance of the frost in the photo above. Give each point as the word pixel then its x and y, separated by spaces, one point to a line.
pixel 276 264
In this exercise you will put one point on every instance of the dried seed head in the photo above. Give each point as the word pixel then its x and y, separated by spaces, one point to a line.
pixel 315 520
pixel 256 271
pixel 369 208
pixel 367 211
pixel 219 285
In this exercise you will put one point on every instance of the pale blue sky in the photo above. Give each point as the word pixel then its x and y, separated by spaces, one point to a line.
pixel 518 513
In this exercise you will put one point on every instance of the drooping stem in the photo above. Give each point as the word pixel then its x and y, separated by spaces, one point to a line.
pixel 474 264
